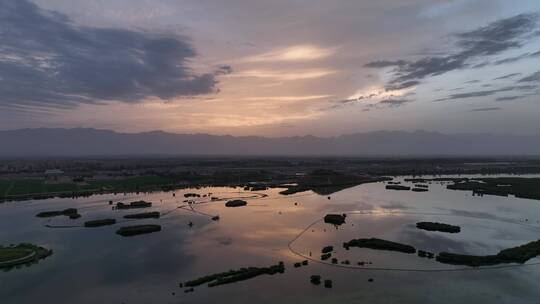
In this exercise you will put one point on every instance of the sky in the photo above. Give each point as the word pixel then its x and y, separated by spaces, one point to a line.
pixel 271 68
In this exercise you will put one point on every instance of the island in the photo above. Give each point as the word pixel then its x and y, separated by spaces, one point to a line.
pixel 398 187
pixel 379 244
pixel 326 256
pixel 22 254
pixel 441 227
pixel 143 215
pixel 138 229
pixel 521 187
pixel 335 219
pixel 232 276
pixel 327 181
pixel 327 249
pixel 99 223
pixel 315 279
pixel 256 188
pixel 520 255
pixel 235 203
pixel 420 189
pixel 72 213
pixel 133 205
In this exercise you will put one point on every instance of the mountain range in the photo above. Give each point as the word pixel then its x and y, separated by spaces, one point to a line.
pixel 77 142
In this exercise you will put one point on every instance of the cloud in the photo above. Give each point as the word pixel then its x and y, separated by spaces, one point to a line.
pixel 509 98
pixel 533 77
pixel 517 58
pixel 285 75
pixel 507 76
pixel 287 98
pixel 224 70
pixel 394 103
pixel 294 53
pixel 46 60
pixel 402 85
pixel 492 39
pixel 486 109
pixel 385 63
pixel 487 92
pixel 472 81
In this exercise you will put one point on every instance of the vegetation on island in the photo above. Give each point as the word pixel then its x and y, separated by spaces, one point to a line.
pixel 233 276
pixel 255 188
pixel 519 255
pixel 327 249
pixel 235 203
pixel 326 256
pixel 441 227
pixel 379 244
pixel 22 254
pixel 99 223
pixel 335 219
pixel 398 187
pixel 133 205
pixel 522 187
pixel 501 186
pixel 138 229
pixel 315 279
pixel 300 264
pixel 325 181
pixel 72 213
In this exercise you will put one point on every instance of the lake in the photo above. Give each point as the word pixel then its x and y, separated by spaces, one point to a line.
pixel 95 265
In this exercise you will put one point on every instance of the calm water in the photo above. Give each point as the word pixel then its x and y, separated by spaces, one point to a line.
pixel 94 265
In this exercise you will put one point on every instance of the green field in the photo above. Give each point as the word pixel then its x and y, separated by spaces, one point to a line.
pixel 132 183
pixel 8 254
pixel 16 188
pixel 4 186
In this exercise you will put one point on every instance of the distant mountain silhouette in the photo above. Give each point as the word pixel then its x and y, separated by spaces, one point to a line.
pixel 92 142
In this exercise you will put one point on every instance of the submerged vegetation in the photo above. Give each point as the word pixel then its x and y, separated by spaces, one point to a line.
pixel 138 229
pixel 22 254
pixel 233 276
pixel 441 227
pixel 379 244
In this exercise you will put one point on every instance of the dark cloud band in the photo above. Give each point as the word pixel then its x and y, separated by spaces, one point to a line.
pixel 471 46
pixel 47 60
